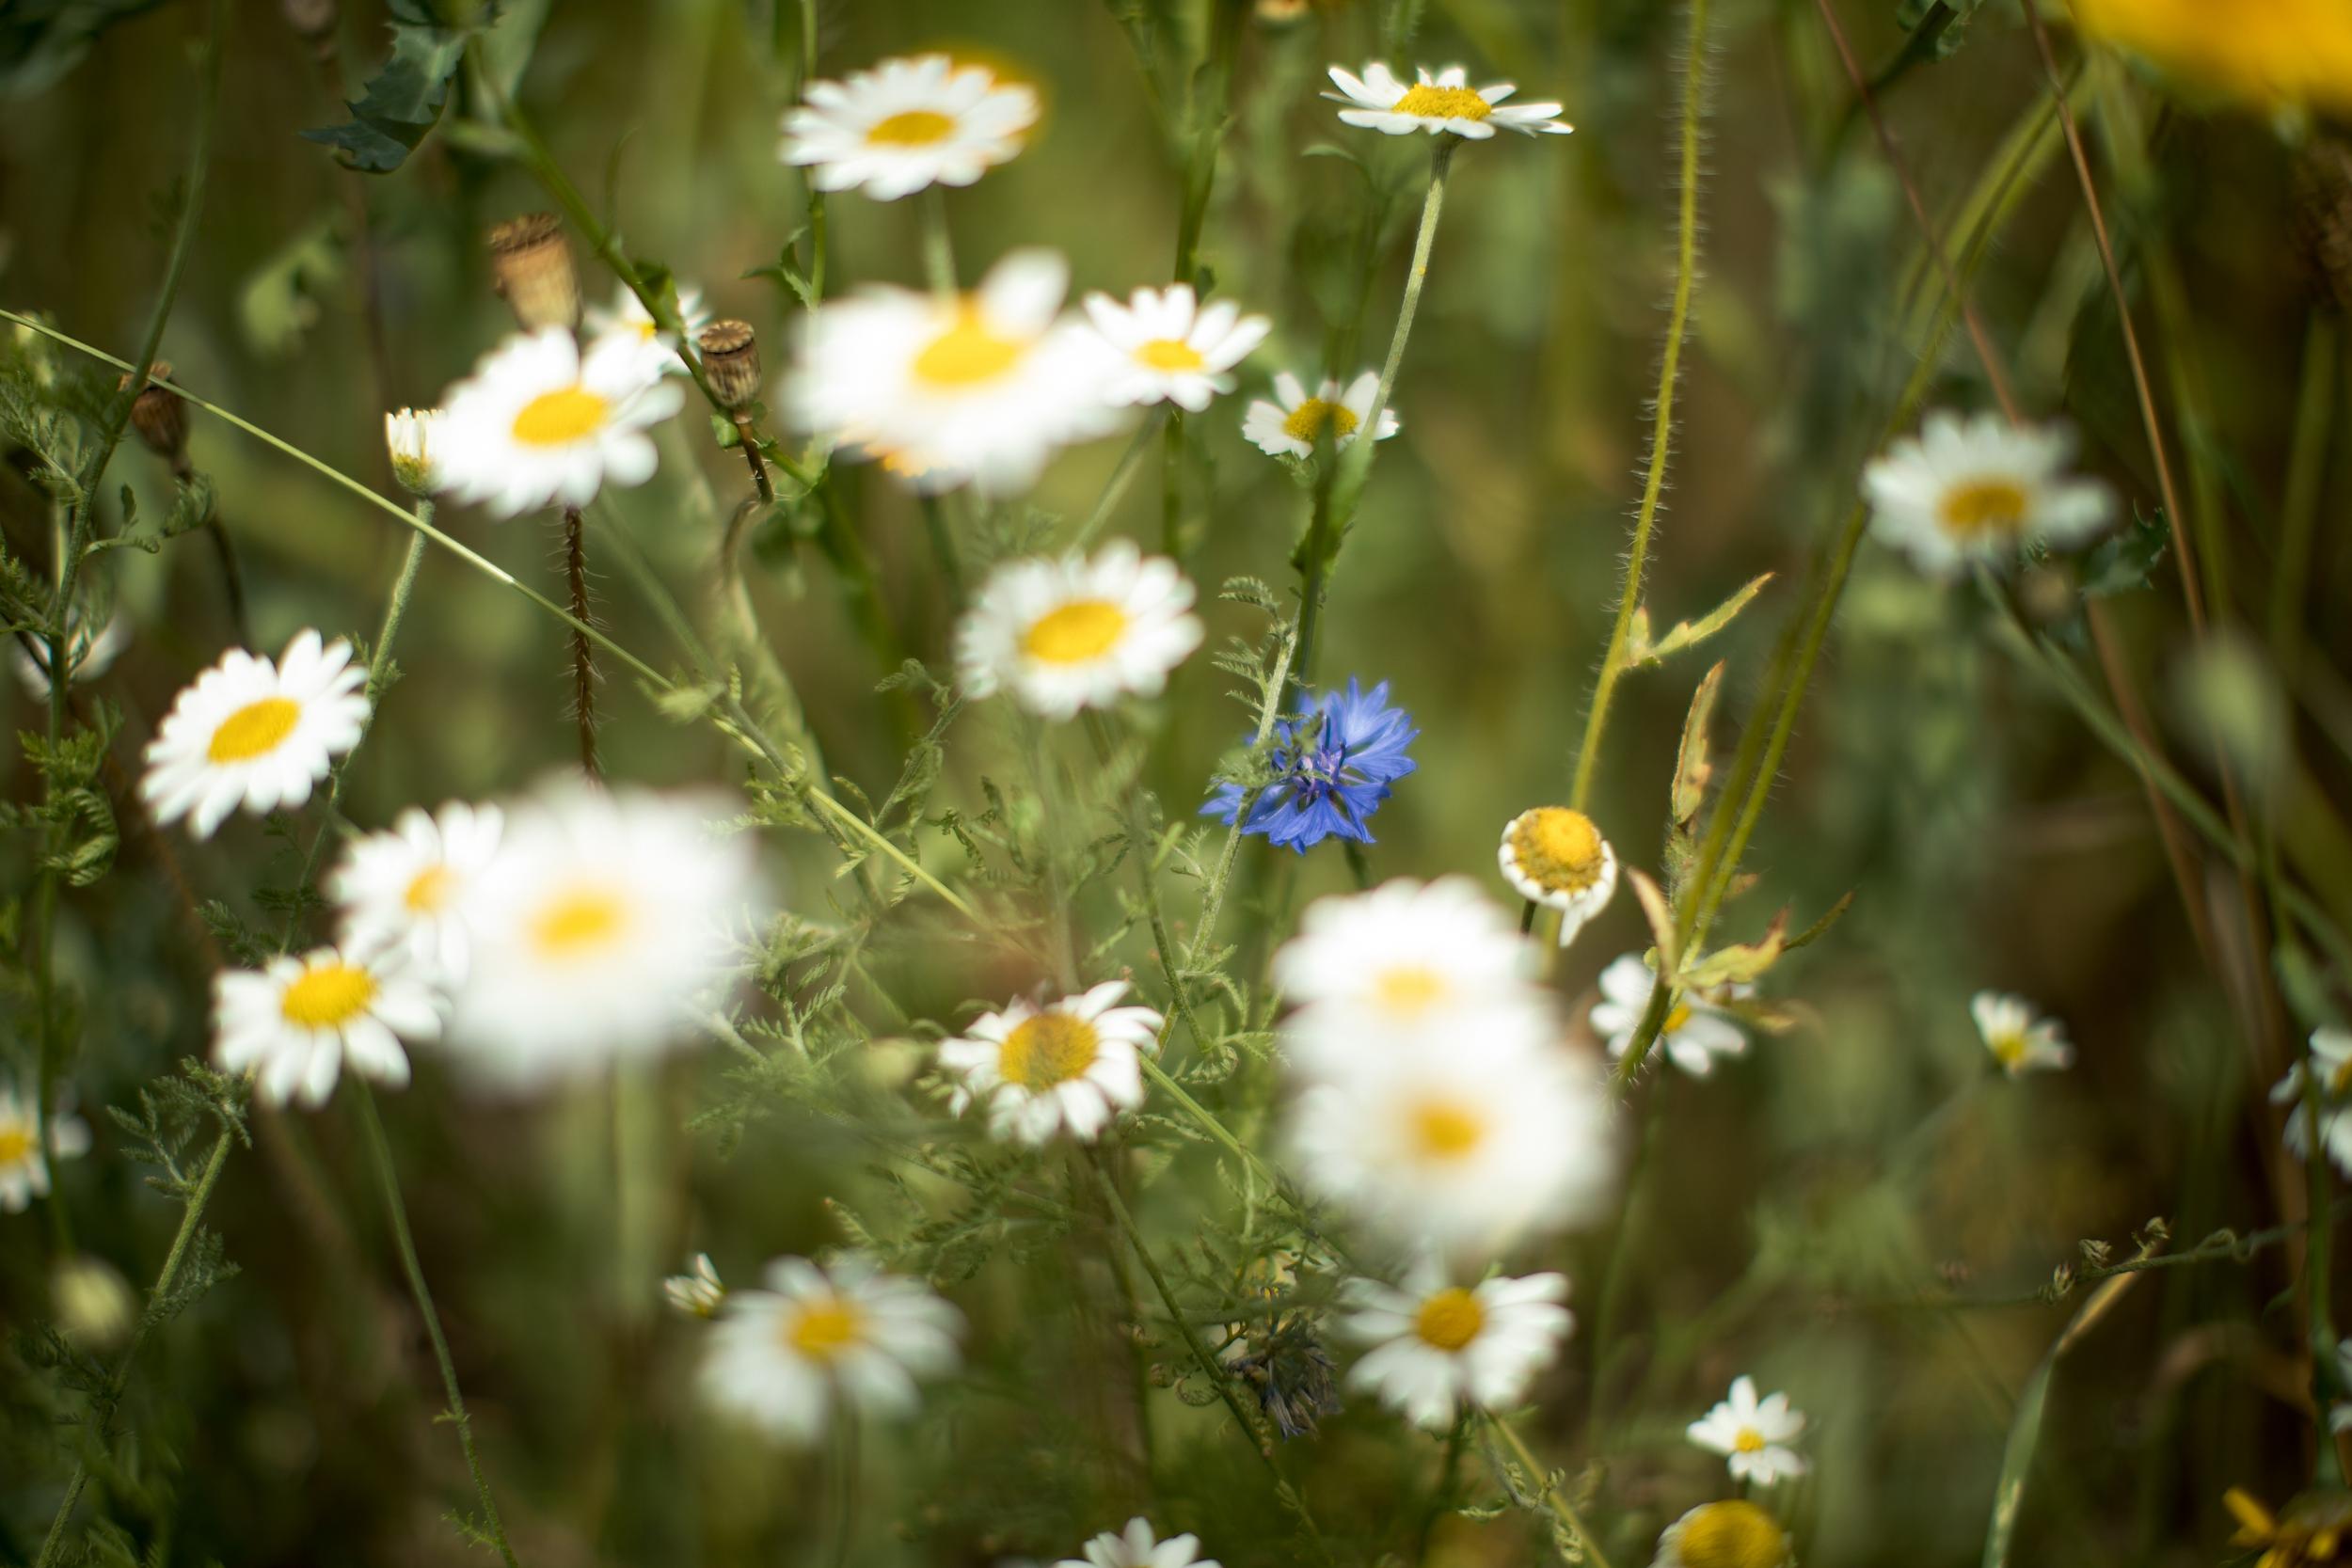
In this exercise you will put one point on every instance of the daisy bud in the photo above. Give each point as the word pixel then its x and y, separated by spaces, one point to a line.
pixel 409 436
pixel 159 416
pixel 2323 214
pixel 731 362
pixel 533 268
pixel 93 1302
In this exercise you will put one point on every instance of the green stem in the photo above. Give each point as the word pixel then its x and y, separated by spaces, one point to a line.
pixel 939 251
pixel 1547 1494
pixel 380 1154
pixel 1115 487
pixel 2307 477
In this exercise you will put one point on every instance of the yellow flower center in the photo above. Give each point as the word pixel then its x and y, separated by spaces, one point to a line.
pixel 1073 633
pixel 1559 849
pixel 578 923
pixel 1443 104
pixel 1444 1131
pixel 560 417
pixel 1049 1049
pixel 1307 421
pixel 1982 506
pixel 821 1330
pixel 910 128
pixel 1169 354
pixel 967 354
pixel 1450 1319
pixel 327 997
pixel 428 890
pixel 254 730
pixel 1677 1019
pixel 2340 1080
pixel 16 1143
pixel 1731 1534
pixel 1409 990
pixel 2008 1046
pixel 1749 1441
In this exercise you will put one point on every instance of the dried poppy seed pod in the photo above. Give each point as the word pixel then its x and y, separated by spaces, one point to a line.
pixel 159 416
pixel 731 362
pixel 533 268
pixel 2323 214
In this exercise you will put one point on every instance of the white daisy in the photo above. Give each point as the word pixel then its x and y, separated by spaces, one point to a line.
pixel 1733 1533
pixel 1753 1434
pixel 1695 1031
pixel 2021 1040
pixel 1981 489
pixel 1465 1147
pixel 2340 1413
pixel 1439 1346
pixel 1074 1064
pixel 1162 346
pixel 540 423
pixel 1557 857
pixel 292 1023
pixel 908 124
pixel 1288 426
pixel 1137 1547
pixel 88 654
pixel 1406 964
pixel 602 914
pixel 1070 633
pixel 2332 1057
pixel 24 1173
pixel 697 1293
pixel 256 733
pixel 1446 102
pixel 406 888
pixel 414 438
pixel 782 1357
pixel 977 388
pixel 627 317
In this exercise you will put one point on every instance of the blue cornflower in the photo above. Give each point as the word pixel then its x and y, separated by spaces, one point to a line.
pixel 1333 765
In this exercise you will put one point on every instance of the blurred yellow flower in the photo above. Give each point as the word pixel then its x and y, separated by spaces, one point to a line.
pixel 2277 54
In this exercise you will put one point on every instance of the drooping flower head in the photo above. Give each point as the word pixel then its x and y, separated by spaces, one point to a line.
pixel 1069 633
pixel 1137 1547
pixel 698 1293
pixel 1753 1434
pixel 1291 424
pixel 294 1022
pixel 1164 346
pixel 1732 1533
pixel 1557 857
pixel 1333 765
pixel 24 1172
pixel 406 888
pixel 1378 100
pixel 818 1338
pixel 1981 489
pixel 413 439
pixel 1695 1032
pixel 2331 1060
pixel 1072 1064
pixel 1439 1346
pixel 2019 1037
pixel 908 124
pixel 255 733
pixel 90 650
pixel 540 423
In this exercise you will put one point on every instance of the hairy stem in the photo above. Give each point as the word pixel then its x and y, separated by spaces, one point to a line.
pixel 583 651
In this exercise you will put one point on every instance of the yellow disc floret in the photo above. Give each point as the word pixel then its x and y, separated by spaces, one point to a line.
pixel 1048 1049
pixel 1978 507
pixel 821 1330
pixel 1075 632
pixel 1305 422
pixel 910 128
pixel 967 352
pixel 578 923
pixel 1450 1319
pixel 560 417
pixel 1735 1533
pixel 1558 849
pixel 1169 354
pixel 1444 1131
pixel 327 997
pixel 254 730
pixel 1428 102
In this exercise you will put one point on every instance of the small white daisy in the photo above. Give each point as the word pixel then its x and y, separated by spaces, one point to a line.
pixel 604 913
pixel 978 389
pixel 539 423
pixel 1070 633
pixel 1733 1533
pixel 783 1357
pixel 293 1022
pixel 1557 857
pixel 414 438
pixel 697 1293
pixel 24 1173
pixel 1462 1148
pixel 1695 1031
pixel 1074 1064
pixel 1981 489
pixel 406 888
pixel 1137 1547
pixel 88 654
pixel 1753 1434
pixel 2019 1038
pixel 255 733
pixel 908 124
pixel 1288 426
pixel 1439 1346
pixel 1446 102
pixel 1162 346
pixel 627 317
pixel 2332 1057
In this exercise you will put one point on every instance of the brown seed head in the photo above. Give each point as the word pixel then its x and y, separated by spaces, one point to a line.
pixel 158 415
pixel 533 268
pixel 731 362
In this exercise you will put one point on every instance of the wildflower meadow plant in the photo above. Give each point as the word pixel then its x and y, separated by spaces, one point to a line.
pixel 914 783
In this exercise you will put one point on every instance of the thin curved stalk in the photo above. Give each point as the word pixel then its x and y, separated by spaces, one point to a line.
pixel 1546 1492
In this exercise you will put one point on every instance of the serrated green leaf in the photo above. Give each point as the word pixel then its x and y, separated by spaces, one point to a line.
pixel 404 99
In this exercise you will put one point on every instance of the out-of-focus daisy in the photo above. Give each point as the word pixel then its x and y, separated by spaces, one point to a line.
pixel 973 388
pixel 1289 426
pixel 539 422
pixel 1446 102
pixel 1980 489
pixel 1464 1147
pixel 696 1292
pixel 1333 765
pixel 413 439
pixel 24 1173
pixel 295 1022
pixel 1439 1346
pixel 406 888
pixel 1074 1064
pixel 1162 346
pixel 849 1335
pixel 1694 1033
pixel 1733 1533
pixel 1557 857
pixel 1137 1547
pixel 2019 1038
pixel 1753 1434
pixel 627 316
pixel 255 733
pixel 2276 54
pixel 2331 1058
pixel 602 914
pixel 88 654
pixel 1070 633
pixel 907 124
